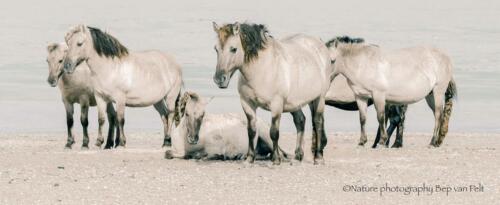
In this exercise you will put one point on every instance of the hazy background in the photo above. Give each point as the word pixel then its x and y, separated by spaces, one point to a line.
pixel 468 30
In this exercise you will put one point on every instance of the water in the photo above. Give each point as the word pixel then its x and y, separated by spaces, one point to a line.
pixel 468 30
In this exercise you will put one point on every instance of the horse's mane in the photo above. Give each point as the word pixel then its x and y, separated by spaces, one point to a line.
pixel 107 45
pixel 344 40
pixel 253 38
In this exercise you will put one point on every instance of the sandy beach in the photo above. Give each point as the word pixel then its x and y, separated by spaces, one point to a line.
pixel 35 169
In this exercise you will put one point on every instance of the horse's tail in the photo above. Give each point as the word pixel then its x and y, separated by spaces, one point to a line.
pixel 450 94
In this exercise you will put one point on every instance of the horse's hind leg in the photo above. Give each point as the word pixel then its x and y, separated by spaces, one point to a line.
pixel 299 119
pixel 250 113
pixel 120 116
pixel 84 105
pixel 377 138
pixel 110 110
pixel 318 107
pixel 401 125
pixel 438 99
pixel 69 123
pixel 362 106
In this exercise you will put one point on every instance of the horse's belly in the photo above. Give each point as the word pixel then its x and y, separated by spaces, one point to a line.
pixel 409 93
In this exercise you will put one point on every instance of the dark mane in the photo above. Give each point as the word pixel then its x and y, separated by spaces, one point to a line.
pixel 107 45
pixel 344 39
pixel 253 38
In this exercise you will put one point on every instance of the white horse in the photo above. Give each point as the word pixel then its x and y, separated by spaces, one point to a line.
pixel 278 76
pixel 76 88
pixel 341 96
pixel 135 79
pixel 213 136
pixel 403 76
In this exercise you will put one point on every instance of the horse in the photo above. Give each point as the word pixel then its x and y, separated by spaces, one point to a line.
pixel 201 135
pixel 401 77
pixel 76 88
pixel 133 79
pixel 341 96
pixel 278 76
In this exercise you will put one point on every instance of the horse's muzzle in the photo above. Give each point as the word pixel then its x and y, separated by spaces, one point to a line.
pixel 221 80
pixel 52 81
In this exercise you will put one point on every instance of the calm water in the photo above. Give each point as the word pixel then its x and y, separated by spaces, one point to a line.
pixel 468 31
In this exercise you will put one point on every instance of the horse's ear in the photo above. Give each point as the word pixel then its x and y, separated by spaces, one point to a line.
pixel 51 47
pixel 216 27
pixel 236 28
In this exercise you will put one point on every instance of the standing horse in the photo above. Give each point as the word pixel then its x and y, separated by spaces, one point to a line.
pixel 278 76
pixel 342 97
pixel 135 79
pixel 76 88
pixel 198 134
pixel 403 76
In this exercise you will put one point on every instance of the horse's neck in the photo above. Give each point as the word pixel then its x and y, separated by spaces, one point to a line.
pixel 100 65
pixel 263 65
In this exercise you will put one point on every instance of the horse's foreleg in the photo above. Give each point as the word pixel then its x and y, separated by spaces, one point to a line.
pixel 362 107
pixel 110 110
pixel 84 106
pixel 313 137
pixel 379 102
pixel 166 118
pixel 101 115
pixel 275 135
pixel 120 116
pixel 299 119
pixel 250 112
pixel 69 123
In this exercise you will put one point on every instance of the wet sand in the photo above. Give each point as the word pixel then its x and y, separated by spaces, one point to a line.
pixel 35 169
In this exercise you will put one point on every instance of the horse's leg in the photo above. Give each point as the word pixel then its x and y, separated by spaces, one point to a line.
pixel 101 115
pixel 162 110
pixel 170 102
pixel 401 125
pixel 377 138
pixel 84 106
pixel 299 119
pixel 275 135
pixel 313 138
pixel 318 120
pixel 379 102
pixel 362 106
pixel 120 116
pixel 69 123
pixel 110 110
pixel 438 110
pixel 250 112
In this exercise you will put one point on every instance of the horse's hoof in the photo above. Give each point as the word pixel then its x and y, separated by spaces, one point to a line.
pixel 299 155
pixel 85 147
pixel 361 144
pixel 108 146
pixel 277 162
pixel 169 155
pixel 397 145
pixel 249 159
pixel 99 142
pixel 167 142
pixel 67 147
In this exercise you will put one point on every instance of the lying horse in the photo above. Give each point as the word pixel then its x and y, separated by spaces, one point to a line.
pixel 133 79
pixel 209 136
pixel 76 88
pixel 341 96
pixel 400 77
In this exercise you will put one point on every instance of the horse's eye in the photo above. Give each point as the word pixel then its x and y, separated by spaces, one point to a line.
pixel 79 44
pixel 60 61
pixel 233 50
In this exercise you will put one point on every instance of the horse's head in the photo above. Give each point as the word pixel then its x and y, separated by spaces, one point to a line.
pixel 237 44
pixel 79 44
pixel 337 45
pixel 57 52
pixel 191 109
